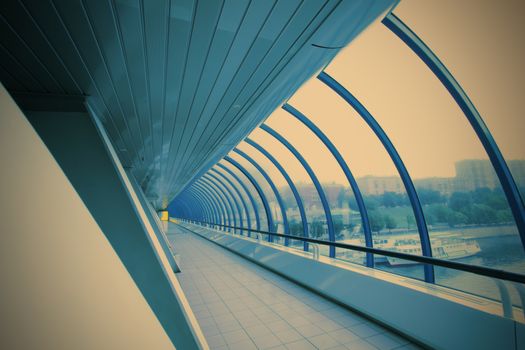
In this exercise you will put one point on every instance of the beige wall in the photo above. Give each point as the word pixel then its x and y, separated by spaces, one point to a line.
pixel 62 285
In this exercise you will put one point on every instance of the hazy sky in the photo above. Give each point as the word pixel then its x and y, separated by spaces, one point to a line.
pixel 480 42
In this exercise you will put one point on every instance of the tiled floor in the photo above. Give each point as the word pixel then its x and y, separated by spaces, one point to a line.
pixel 243 306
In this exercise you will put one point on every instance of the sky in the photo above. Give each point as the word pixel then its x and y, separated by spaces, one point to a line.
pixel 479 42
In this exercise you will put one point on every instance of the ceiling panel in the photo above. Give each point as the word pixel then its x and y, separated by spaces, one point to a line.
pixel 177 83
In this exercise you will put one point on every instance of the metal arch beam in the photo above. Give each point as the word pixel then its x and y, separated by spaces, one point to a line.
pixel 191 201
pixel 194 205
pixel 208 211
pixel 225 218
pixel 193 209
pixel 259 190
pixel 220 192
pixel 248 193
pixel 230 193
pixel 317 184
pixel 272 186
pixel 288 179
pixel 506 179
pixel 188 200
pixel 346 170
pixel 205 198
pixel 243 202
pixel 394 155
pixel 212 201
pixel 181 209
pixel 218 195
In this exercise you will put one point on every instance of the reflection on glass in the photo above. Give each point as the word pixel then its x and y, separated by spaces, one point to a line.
pixel 253 192
pixel 496 93
pixel 242 192
pixel 466 211
pixel 279 182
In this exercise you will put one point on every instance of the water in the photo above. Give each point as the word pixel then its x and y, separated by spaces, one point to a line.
pixel 501 248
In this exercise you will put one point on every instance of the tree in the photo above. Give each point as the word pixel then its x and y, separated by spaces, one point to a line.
pixel 460 201
pixel 456 218
pixel 377 221
pixel 410 221
pixel 428 196
pixel 317 229
pixel 341 198
pixel 392 199
pixel 390 223
pixel 482 214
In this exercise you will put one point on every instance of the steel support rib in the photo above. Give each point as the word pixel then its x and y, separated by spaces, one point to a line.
pixel 205 197
pixel 238 192
pixel 292 186
pixel 259 190
pixel 248 193
pixel 192 200
pixel 213 197
pixel 506 179
pixel 225 188
pixel 205 208
pixel 317 184
pixel 272 186
pixel 394 155
pixel 346 170
pixel 223 194
pixel 194 205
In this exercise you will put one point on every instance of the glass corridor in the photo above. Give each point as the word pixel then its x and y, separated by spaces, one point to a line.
pixel 388 150
pixel 240 305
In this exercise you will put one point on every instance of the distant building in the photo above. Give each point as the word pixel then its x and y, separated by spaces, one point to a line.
pixel 470 174
pixel 377 185
pixel 443 185
pixel 474 173
pixel 517 168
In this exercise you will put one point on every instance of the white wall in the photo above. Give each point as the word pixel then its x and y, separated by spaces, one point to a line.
pixel 62 285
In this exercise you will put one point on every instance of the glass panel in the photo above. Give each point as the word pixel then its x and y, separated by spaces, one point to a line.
pixel 490 70
pixel 299 177
pixel 326 169
pixel 466 211
pixel 275 209
pixel 279 182
pixel 251 213
pixel 218 201
pixel 253 192
pixel 390 213
pixel 234 198
pixel 227 201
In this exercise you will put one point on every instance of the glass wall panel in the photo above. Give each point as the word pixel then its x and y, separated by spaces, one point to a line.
pixel 275 209
pixel 218 200
pixel 281 185
pixel 486 60
pixel 390 214
pixel 227 200
pixel 300 178
pixel 234 197
pixel 253 192
pixel 466 211
pixel 328 172
pixel 245 197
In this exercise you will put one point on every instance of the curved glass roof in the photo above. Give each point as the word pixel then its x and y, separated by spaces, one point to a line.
pixel 427 120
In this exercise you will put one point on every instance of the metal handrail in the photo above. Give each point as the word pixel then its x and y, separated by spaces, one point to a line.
pixel 478 270
pixel 316 251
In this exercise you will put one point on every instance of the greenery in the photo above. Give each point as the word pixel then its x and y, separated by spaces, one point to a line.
pixel 391 211
pixel 479 207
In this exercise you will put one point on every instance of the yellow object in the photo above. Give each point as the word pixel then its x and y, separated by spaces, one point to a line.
pixel 164 216
pixel 174 221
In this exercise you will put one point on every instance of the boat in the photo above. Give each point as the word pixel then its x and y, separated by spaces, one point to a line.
pixel 449 248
